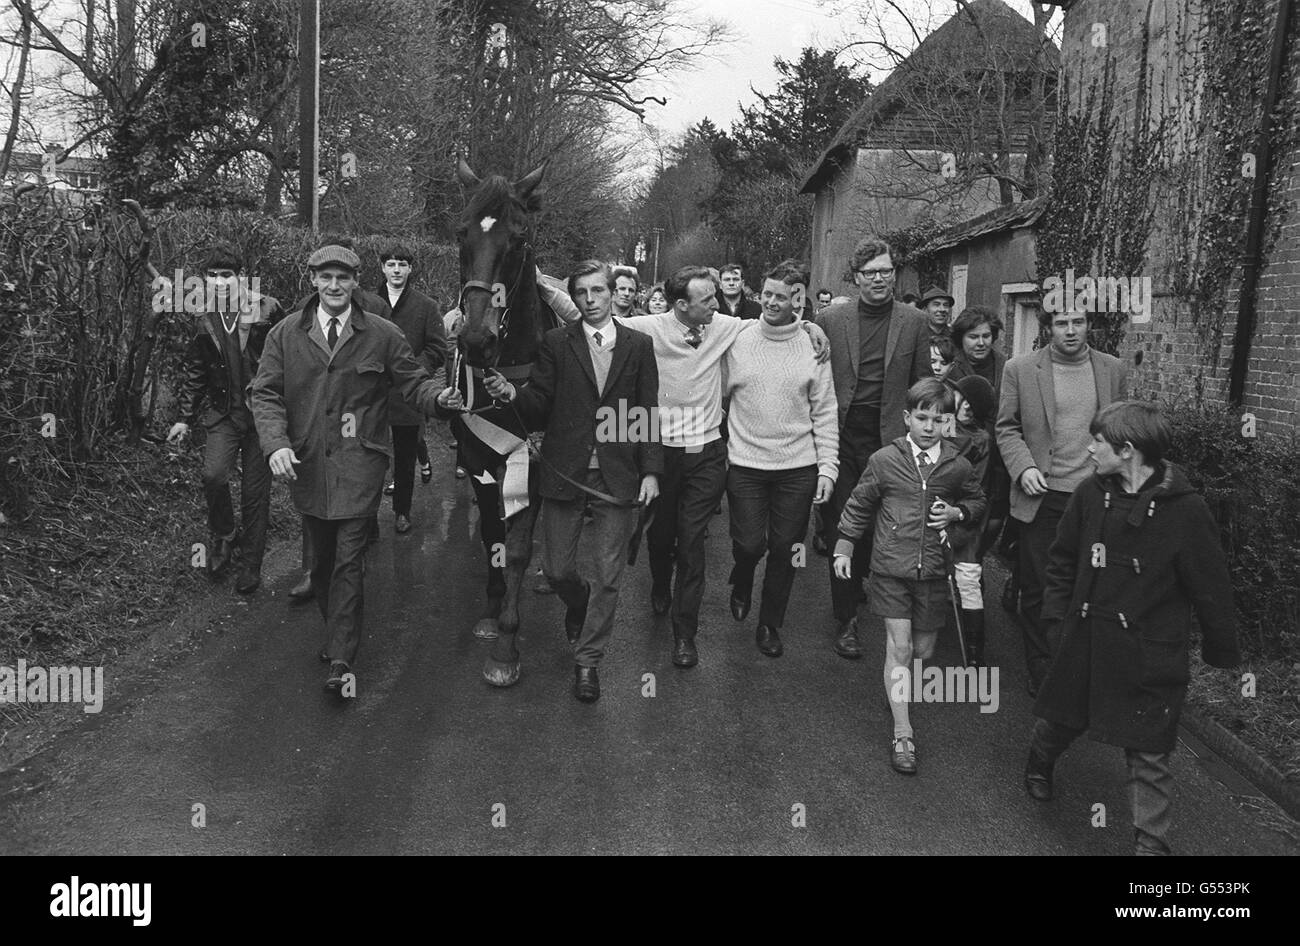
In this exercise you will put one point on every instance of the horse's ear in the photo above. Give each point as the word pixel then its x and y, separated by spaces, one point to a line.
pixel 528 183
pixel 465 174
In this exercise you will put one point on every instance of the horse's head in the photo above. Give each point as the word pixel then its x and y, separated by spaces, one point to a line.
pixel 495 251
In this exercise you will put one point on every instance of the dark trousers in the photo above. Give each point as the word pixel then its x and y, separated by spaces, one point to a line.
pixel 606 537
pixel 406 441
pixel 1035 539
pixel 769 514
pixel 339 550
pixel 229 442
pixel 859 439
pixel 689 491
pixel 1150 785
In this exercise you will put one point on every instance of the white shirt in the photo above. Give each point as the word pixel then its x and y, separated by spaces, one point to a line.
pixel 323 319
pixel 606 333
pixel 394 295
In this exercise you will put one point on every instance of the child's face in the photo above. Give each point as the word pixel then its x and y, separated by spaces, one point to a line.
pixel 923 425
pixel 938 365
pixel 964 413
pixel 1104 457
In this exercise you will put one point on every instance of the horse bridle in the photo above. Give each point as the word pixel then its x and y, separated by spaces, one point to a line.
pixel 503 324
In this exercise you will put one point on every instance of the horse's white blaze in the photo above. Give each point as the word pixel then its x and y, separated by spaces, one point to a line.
pixel 486 223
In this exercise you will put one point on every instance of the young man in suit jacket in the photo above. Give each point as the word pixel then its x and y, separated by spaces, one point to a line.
pixel 1049 398
pixel 595 380
pixel 420 321
pixel 880 347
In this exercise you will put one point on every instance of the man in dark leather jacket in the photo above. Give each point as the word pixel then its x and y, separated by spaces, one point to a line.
pixel 220 362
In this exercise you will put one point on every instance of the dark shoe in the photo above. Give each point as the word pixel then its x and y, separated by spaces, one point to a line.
pixel 249 580
pixel 586 684
pixel 846 641
pixel 303 590
pixel 973 624
pixel 661 599
pixel 684 653
pixel 223 550
pixel 575 617
pixel 819 543
pixel 390 488
pixel 769 642
pixel 323 656
pixel 426 471
pixel 460 472
pixel 402 524
pixel 740 604
pixel 335 680
pixel 903 755
pixel 1038 777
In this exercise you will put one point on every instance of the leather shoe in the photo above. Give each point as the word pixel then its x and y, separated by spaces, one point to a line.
pixel 402 524
pixel 586 684
pixel 335 680
pixel 846 644
pixel 574 618
pixel 684 653
pixel 249 580
pixel 426 472
pixel 390 488
pixel 740 606
pixel 903 756
pixel 324 656
pixel 223 551
pixel 302 591
pixel 1038 777
pixel 661 599
pixel 769 642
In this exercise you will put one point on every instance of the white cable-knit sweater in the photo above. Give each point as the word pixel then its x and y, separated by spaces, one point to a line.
pixel 783 412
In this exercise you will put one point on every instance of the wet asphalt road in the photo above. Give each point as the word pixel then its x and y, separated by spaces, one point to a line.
pixel 421 761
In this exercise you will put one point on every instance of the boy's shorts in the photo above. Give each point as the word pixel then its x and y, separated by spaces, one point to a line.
pixel 922 600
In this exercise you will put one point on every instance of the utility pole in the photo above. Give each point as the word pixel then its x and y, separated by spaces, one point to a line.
pixel 657 230
pixel 309 113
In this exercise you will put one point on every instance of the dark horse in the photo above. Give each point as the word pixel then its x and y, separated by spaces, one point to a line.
pixel 504 323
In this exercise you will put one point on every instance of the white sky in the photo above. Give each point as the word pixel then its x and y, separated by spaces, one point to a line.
pixel 765 29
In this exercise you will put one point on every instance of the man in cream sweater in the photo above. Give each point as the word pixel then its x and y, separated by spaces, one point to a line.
pixel 783 450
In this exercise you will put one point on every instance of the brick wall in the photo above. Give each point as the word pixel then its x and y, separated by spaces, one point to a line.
pixel 1176 366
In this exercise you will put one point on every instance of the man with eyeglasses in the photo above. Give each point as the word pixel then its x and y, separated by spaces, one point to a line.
pixel 879 348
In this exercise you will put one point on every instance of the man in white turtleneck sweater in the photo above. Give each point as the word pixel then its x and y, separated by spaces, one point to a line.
pixel 783 450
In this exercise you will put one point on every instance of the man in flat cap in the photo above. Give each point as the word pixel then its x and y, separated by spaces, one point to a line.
pixel 320 401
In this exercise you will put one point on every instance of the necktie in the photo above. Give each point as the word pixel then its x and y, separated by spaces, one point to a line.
pixel 923 461
pixel 693 337
pixel 596 336
pixel 332 337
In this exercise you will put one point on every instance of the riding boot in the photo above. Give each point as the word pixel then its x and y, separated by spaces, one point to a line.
pixel 973 622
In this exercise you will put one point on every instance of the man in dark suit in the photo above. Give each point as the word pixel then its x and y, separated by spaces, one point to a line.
pixel 320 401
pixel 596 393
pixel 420 320
pixel 1049 398
pixel 731 294
pixel 220 362
pixel 879 348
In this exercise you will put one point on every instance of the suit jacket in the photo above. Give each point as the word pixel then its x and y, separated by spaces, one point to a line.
pixel 418 317
pixel 562 399
pixel 748 308
pixel 332 408
pixel 1027 408
pixel 907 359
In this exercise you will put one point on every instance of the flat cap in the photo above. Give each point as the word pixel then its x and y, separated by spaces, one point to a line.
pixel 334 255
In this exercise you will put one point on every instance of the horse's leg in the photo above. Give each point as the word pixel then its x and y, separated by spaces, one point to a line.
pixel 502 665
pixel 493 533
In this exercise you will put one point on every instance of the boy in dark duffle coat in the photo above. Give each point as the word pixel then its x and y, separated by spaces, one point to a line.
pixel 320 400
pixel 591 374
pixel 1135 551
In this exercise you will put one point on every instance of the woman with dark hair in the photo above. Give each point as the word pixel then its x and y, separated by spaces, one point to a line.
pixel 657 303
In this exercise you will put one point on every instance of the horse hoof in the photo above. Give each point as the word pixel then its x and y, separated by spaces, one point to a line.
pixel 501 674
pixel 486 629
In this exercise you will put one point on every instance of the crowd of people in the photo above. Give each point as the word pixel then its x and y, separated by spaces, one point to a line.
pixel 909 431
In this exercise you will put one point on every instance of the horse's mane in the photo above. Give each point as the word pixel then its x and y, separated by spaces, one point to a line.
pixel 496 197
